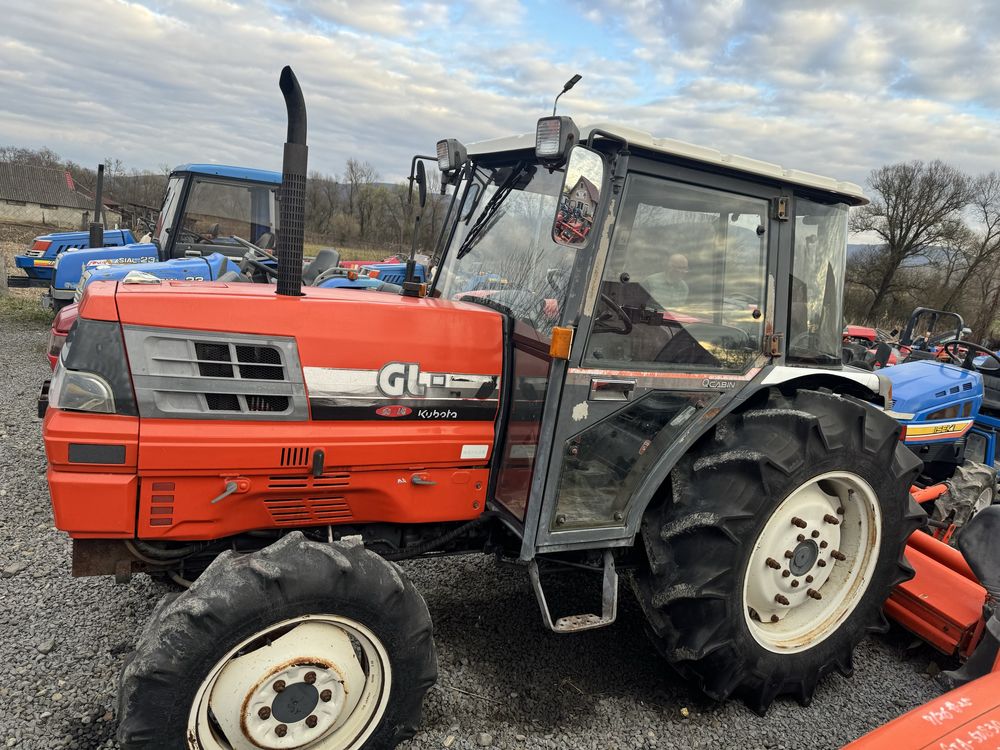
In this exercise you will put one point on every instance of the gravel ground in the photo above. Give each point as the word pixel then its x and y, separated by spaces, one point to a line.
pixel 504 681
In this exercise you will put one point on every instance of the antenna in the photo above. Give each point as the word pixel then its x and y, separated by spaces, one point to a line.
pixel 568 85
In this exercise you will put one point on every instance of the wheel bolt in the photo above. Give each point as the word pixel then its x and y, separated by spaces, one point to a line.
pixel 780 599
pixel 840 510
pixel 785 573
pixel 795 584
pixel 264 713
pixel 773 564
pixel 813 593
pixel 832 520
pixel 774 618
pixel 279 686
pixel 325 696
pixel 809 579
pixel 815 534
pixel 838 555
pixel 821 563
pixel 789 554
pixel 311 721
pixel 824 544
pixel 801 537
pixel 281 730
pixel 796 521
pixel 310 678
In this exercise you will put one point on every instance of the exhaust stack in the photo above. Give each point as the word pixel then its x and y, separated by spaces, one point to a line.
pixel 97 225
pixel 292 197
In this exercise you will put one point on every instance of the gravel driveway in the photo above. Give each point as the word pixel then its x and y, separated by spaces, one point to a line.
pixel 504 681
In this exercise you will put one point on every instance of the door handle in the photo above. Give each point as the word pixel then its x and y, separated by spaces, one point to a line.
pixel 604 389
pixel 422 480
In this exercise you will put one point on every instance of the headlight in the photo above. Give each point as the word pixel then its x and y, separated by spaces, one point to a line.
pixel 75 390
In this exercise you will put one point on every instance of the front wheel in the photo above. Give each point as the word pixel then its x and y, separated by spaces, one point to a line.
pixel 782 538
pixel 302 644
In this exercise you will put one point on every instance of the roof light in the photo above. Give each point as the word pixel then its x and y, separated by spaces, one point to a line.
pixel 554 137
pixel 451 154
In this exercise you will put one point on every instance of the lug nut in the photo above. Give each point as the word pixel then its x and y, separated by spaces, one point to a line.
pixel 325 696
pixel 279 686
pixel 785 573
pixel 796 521
pixel 795 584
pixel 840 510
pixel 815 534
pixel 772 563
pixel 264 713
pixel 789 554
pixel 310 678
pixel 824 544
pixel 821 563
pixel 774 618
pixel 801 538
pixel 780 599
pixel 838 555
pixel 281 730
pixel 311 721
pixel 809 579
pixel 814 594
pixel 832 520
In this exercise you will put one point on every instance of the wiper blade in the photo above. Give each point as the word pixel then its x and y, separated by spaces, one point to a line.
pixel 490 212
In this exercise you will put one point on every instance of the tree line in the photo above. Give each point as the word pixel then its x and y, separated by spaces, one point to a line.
pixel 352 209
pixel 935 242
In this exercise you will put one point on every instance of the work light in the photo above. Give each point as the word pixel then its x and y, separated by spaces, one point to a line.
pixel 451 154
pixel 554 137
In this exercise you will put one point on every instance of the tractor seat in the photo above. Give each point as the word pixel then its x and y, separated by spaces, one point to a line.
pixel 235 277
pixel 991 392
pixel 325 259
pixel 265 241
pixel 977 542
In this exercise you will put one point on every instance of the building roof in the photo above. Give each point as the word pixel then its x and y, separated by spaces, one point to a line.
pixel 236 173
pixel 31 184
pixel 848 191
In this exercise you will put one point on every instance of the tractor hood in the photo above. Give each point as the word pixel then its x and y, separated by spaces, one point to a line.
pixel 71 264
pixel 926 390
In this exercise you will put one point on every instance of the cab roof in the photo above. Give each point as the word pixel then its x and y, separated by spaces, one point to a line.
pixel 849 192
pixel 232 173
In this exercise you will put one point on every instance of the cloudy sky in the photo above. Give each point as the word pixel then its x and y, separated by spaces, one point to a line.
pixel 836 89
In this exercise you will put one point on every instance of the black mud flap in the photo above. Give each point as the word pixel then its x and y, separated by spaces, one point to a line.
pixel 43 397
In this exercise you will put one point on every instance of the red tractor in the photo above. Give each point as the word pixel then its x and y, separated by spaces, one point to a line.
pixel 696 432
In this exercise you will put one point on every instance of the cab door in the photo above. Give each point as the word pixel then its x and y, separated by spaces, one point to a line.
pixel 673 329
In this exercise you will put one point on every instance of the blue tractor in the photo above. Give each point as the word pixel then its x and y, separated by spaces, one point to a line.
pixel 207 208
pixel 38 261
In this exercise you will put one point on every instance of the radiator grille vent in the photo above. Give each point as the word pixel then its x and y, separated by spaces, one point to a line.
pixel 294 457
pixel 215 360
pixel 307 481
pixel 308 511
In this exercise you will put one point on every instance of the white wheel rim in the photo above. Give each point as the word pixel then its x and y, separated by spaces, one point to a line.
pixel 316 681
pixel 812 562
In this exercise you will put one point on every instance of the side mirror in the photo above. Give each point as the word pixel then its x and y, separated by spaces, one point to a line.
pixel 421 184
pixel 579 198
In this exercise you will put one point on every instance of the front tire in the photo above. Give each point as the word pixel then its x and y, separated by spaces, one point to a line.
pixel 299 644
pixel 782 538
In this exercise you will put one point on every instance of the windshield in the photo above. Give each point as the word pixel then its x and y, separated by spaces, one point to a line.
pixel 817 284
pixel 502 253
pixel 170 203
pixel 223 209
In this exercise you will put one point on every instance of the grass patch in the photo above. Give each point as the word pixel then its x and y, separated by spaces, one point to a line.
pixel 26 310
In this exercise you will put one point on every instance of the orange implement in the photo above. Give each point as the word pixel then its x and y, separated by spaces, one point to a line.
pixel 967 718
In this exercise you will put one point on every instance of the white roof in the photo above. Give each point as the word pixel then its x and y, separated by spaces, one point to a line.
pixel 849 191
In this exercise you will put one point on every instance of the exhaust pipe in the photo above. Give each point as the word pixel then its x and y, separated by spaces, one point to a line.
pixel 292 196
pixel 97 225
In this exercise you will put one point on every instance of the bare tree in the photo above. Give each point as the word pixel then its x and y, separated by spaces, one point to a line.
pixel 916 206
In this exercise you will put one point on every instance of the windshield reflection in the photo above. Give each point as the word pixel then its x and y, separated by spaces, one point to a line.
pixel 503 255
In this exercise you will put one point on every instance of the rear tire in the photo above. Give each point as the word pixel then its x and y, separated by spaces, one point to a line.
pixel 346 635
pixel 971 488
pixel 719 544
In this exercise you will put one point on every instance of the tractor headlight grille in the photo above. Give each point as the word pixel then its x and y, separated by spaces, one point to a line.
pixel 209 375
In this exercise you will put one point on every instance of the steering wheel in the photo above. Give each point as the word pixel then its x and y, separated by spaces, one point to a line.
pixel 601 321
pixel 192 236
pixel 951 349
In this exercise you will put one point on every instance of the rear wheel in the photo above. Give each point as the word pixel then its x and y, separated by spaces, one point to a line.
pixel 783 537
pixel 971 488
pixel 302 644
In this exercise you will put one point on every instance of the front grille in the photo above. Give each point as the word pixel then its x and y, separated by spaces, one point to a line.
pixel 34 253
pixel 294 456
pixel 215 375
pixel 308 511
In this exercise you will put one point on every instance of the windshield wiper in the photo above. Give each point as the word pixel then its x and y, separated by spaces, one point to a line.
pixel 487 217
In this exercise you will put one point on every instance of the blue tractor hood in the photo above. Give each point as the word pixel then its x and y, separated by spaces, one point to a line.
pixel 924 387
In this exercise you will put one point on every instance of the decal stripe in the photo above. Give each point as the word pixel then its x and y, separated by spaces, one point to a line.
pixel 420 410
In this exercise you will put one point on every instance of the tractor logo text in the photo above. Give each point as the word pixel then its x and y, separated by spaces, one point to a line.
pixel 711 383
pixel 400 379
pixel 394 411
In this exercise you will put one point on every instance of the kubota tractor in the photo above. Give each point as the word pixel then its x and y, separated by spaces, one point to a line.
pixel 608 407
